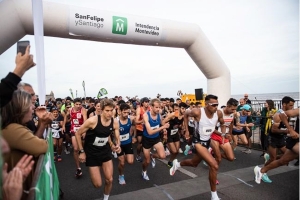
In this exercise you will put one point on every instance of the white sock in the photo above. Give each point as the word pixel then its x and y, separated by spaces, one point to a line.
pixel 144 172
pixel 214 194
pixel 105 197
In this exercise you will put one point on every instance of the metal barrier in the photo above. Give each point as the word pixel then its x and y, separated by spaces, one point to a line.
pixel 36 175
pixel 257 105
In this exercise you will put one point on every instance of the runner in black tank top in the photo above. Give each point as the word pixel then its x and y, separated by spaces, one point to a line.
pixel 98 145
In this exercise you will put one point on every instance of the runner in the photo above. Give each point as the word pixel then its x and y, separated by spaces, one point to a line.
pixel 176 123
pixel 127 137
pixel 292 145
pixel 98 146
pixel 151 136
pixel 218 142
pixel 140 110
pixel 78 117
pixel 205 121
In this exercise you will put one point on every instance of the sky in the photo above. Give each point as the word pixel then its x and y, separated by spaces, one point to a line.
pixel 257 39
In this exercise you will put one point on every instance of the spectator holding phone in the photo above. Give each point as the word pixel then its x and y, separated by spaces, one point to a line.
pixel 9 84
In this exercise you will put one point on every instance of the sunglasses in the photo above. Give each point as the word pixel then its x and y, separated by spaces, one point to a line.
pixel 213 104
pixel 247 110
pixel 246 96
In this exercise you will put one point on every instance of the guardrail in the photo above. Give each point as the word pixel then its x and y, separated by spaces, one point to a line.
pixel 257 105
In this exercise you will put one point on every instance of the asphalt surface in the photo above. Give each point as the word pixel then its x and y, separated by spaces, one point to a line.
pixel 236 181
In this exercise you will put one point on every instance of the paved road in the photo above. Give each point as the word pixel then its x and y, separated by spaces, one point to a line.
pixel 236 181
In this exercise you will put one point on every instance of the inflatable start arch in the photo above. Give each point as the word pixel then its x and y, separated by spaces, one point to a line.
pixel 73 22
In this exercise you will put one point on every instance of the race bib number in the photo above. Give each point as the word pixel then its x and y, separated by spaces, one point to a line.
pixel 100 141
pixel 55 134
pixel 154 127
pixel 207 131
pixel 75 121
pixel 78 115
pixel 174 131
pixel 75 129
pixel 124 137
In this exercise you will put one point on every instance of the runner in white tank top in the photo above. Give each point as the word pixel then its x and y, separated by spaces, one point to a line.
pixel 205 121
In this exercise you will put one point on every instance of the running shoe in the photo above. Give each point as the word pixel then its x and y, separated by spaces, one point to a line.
pixel 248 151
pixel 170 164
pixel 174 167
pixel 265 178
pixel 59 158
pixel 187 149
pixel 297 163
pixel 78 173
pixel 67 151
pixel 244 150
pixel 145 176
pixel 180 150
pixel 122 180
pixel 139 159
pixel 258 174
pixel 266 157
pixel 167 152
pixel 114 154
pixel 153 163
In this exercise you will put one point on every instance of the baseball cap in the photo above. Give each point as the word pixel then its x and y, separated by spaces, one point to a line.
pixel 246 107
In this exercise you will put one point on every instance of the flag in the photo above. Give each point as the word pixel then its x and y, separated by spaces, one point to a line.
pixel 47 186
pixel 71 91
pixel 102 92
pixel 83 85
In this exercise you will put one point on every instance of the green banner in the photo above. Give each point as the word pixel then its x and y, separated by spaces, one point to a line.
pixel 102 92
pixel 48 184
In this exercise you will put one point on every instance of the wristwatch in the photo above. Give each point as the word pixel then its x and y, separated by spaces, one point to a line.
pixel 223 134
pixel 81 151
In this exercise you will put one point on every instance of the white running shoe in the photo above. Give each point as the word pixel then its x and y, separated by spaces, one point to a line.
pixel 114 154
pixel 258 174
pixel 180 150
pixel 167 152
pixel 153 163
pixel 145 176
pixel 174 167
pixel 266 157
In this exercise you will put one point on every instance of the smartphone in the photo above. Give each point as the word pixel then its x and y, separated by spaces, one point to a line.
pixel 21 46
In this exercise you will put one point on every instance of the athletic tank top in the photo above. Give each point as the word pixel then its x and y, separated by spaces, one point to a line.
pixel 154 124
pixel 205 127
pixel 141 126
pixel 97 139
pixel 76 120
pixel 125 136
pixel 227 121
pixel 174 126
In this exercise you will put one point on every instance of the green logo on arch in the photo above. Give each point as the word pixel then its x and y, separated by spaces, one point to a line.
pixel 119 25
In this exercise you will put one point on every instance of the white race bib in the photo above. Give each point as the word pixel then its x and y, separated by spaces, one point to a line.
pixel 155 127
pixel 100 141
pixel 174 131
pixel 207 131
pixel 75 129
pixel 55 133
pixel 78 115
pixel 124 137
pixel 75 121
